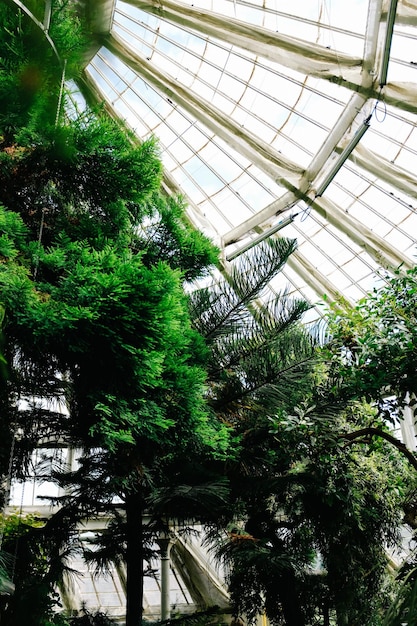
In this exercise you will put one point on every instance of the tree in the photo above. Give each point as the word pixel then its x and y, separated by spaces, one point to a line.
pixel 36 572
pixel 93 264
pixel 261 359
pixel 372 355
pixel 314 517
pixel 31 71
pixel 313 505
pixel 373 344
pixel 104 329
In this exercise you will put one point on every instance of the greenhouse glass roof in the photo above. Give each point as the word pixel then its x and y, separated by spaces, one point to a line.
pixel 294 117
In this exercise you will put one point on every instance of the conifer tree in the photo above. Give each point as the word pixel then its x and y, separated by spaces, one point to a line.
pixel 93 264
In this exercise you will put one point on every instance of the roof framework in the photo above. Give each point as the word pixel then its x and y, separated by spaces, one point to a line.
pixel 254 102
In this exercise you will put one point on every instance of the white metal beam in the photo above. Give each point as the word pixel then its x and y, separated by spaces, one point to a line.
pixel 322 161
pixel 259 152
pixel 378 249
pixel 358 75
pixel 193 213
pixel 319 283
pixel 305 57
pixel 282 204
pixel 386 171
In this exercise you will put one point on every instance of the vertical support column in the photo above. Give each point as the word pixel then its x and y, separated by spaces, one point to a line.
pixel 165 542
pixel 47 16
pixel 408 423
pixel 70 463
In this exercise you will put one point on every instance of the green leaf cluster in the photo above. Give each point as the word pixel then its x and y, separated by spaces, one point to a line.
pixel 373 345
pixel 31 69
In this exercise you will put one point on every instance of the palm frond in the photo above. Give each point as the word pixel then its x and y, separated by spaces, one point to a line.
pixel 218 309
pixel 265 375
pixel 260 331
pixel 6 584
pixel 403 610
pixel 190 502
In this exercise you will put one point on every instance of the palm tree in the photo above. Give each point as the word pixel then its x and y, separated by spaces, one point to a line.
pixel 261 360
pixel 258 349
pixel 294 489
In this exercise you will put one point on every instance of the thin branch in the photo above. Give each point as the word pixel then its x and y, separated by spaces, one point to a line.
pixel 376 432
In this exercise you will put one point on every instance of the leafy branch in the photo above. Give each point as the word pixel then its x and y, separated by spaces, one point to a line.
pixel 368 433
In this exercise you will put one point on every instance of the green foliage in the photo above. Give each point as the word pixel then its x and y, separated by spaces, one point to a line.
pixel 121 326
pixel 93 261
pixel 89 169
pixel 303 490
pixel 3 362
pixel 14 525
pixel 373 348
pixel 89 618
pixel 213 616
pixel 6 585
pixel 36 570
pixel 170 236
pixel 403 609
pixel 371 355
pixel 12 234
pixel 260 355
pixel 261 362
pixel 31 71
pixel 312 496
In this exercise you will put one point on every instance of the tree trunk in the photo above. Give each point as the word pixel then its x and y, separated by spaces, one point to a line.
pixel 290 602
pixel 342 618
pixel 134 560
pixel 326 615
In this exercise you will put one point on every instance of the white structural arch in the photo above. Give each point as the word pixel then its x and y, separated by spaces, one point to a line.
pixel 253 104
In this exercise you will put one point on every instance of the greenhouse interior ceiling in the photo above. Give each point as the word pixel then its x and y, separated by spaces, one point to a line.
pixel 297 118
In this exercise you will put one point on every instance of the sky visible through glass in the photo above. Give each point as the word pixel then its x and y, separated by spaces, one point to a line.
pixel 239 126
